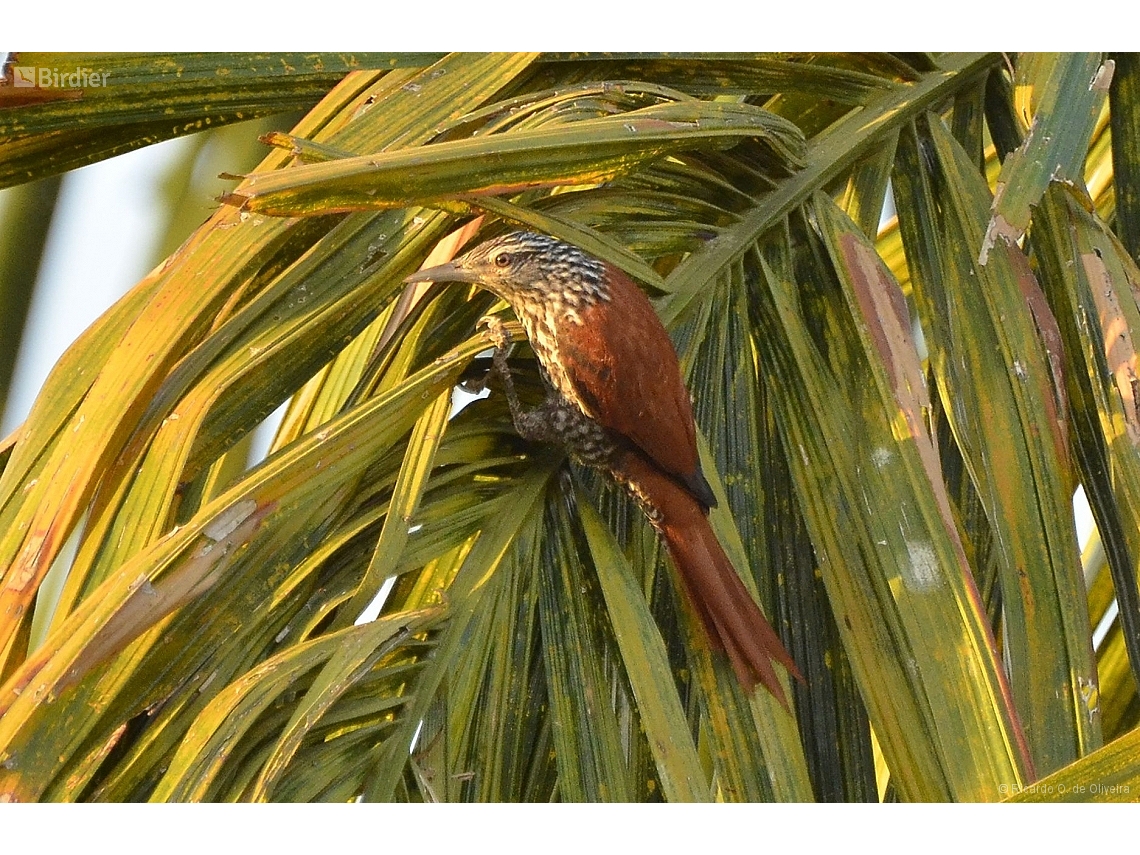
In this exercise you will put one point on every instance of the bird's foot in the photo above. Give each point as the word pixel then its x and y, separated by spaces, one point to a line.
pixel 494 330
pixel 477 380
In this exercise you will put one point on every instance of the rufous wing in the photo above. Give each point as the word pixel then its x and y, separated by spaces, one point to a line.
pixel 627 375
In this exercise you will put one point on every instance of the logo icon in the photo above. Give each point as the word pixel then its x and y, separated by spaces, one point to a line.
pixel 24 75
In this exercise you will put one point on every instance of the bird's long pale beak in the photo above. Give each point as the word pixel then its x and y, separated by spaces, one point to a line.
pixel 449 272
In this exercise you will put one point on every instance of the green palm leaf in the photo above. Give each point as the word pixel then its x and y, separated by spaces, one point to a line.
pixel 893 422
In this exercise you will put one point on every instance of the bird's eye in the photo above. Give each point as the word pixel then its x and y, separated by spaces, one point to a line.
pixel 503 259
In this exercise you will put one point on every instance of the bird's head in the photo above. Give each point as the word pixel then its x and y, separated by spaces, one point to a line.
pixel 524 266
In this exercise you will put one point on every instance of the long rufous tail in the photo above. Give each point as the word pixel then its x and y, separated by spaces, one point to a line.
pixel 733 622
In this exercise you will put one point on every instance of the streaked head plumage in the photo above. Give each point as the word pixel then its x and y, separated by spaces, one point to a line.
pixel 524 264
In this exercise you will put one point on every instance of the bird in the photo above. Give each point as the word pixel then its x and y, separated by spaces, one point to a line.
pixel 616 402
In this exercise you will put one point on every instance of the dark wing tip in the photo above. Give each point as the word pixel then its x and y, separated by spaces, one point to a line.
pixel 702 491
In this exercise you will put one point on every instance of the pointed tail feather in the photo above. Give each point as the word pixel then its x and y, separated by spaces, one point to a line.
pixel 733 622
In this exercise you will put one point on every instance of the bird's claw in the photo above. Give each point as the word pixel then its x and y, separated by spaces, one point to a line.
pixel 475 385
pixel 494 330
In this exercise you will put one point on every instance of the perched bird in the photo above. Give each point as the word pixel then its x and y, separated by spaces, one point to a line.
pixel 616 401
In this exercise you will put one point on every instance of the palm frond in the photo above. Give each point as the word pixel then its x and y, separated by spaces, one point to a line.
pixel 893 420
